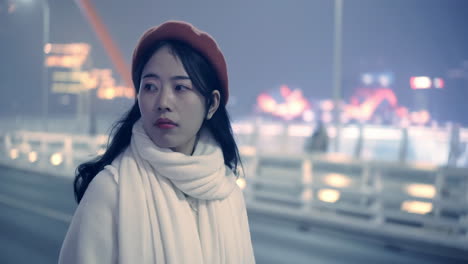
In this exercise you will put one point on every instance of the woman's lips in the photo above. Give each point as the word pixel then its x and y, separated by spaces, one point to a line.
pixel 165 123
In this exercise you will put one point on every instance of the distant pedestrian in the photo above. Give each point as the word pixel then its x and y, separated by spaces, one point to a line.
pixel 318 142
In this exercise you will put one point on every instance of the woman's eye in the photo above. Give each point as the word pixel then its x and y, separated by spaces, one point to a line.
pixel 181 88
pixel 150 87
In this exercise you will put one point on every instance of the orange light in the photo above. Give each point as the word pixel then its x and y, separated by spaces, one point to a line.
pixel 416 207
pixel 421 190
pixel 65 61
pixel 329 195
pixel 296 107
pixel 56 159
pixel 109 93
pixel 266 103
pixel 32 156
pixel 337 180
pixel 14 153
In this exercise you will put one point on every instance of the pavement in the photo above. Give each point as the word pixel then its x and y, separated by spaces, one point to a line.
pixel 36 209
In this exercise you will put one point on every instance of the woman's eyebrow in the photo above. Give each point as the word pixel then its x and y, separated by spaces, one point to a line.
pixel 180 77
pixel 151 75
pixel 173 78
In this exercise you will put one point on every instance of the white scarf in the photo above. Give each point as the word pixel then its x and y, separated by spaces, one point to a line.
pixel 156 224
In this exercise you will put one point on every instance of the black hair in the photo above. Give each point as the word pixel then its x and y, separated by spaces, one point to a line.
pixel 204 78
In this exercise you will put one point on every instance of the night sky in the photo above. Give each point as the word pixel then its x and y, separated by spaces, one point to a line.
pixel 266 43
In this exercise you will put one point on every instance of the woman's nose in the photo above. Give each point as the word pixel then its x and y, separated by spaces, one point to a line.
pixel 164 100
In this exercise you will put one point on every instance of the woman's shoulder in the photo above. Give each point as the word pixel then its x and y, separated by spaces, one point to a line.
pixel 105 183
pixel 103 189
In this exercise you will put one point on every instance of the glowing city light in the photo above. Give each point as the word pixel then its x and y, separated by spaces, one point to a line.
pixel 308 116
pixel 14 153
pixel 420 82
pixel 384 80
pixel 247 150
pixel 47 48
pixel 109 93
pixel 290 106
pixel 56 159
pixel 416 207
pixel 421 190
pixel 101 151
pixel 326 105
pixel 241 183
pixel 32 156
pixel 367 78
pixel 337 180
pixel 329 195
pixel 439 83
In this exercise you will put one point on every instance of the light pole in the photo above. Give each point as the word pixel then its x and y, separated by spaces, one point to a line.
pixel 337 89
pixel 45 77
pixel 45 40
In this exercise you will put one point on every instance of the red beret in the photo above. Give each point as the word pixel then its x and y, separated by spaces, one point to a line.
pixel 185 32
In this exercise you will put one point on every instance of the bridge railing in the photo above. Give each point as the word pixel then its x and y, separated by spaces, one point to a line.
pixel 420 203
pixel 396 200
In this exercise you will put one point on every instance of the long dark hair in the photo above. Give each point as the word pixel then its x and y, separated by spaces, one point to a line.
pixel 204 78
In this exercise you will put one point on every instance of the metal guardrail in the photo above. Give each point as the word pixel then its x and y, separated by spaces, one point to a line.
pixel 424 204
pixel 413 202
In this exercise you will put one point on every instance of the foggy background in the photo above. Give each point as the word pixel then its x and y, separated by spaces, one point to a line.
pixel 266 44
pixel 391 187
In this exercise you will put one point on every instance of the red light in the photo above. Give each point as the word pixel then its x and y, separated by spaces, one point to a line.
pixel 439 83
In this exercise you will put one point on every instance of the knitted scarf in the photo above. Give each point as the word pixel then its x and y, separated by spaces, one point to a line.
pixel 155 221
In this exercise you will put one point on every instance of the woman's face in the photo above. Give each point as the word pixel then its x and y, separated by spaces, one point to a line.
pixel 172 109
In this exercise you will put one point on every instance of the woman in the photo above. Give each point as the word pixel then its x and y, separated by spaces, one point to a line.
pixel 165 190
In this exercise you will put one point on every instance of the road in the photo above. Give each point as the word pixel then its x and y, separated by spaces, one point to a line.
pixel 36 209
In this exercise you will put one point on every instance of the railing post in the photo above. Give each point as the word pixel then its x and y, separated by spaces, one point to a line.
pixel 251 178
pixel 284 138
pixel 307 181
pixel 359 142
pixel 454 146
pixel 365 182
pixel 7 139
pixel 439 182
pixel 403 154
pixel 43 152
pixel 378 187
pixel 255 134
pixel 68 151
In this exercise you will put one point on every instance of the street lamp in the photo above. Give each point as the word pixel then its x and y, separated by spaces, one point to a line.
pixel 337 91
pixel 45 42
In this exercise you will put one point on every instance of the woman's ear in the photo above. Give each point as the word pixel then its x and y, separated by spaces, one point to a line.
pixel 215 99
